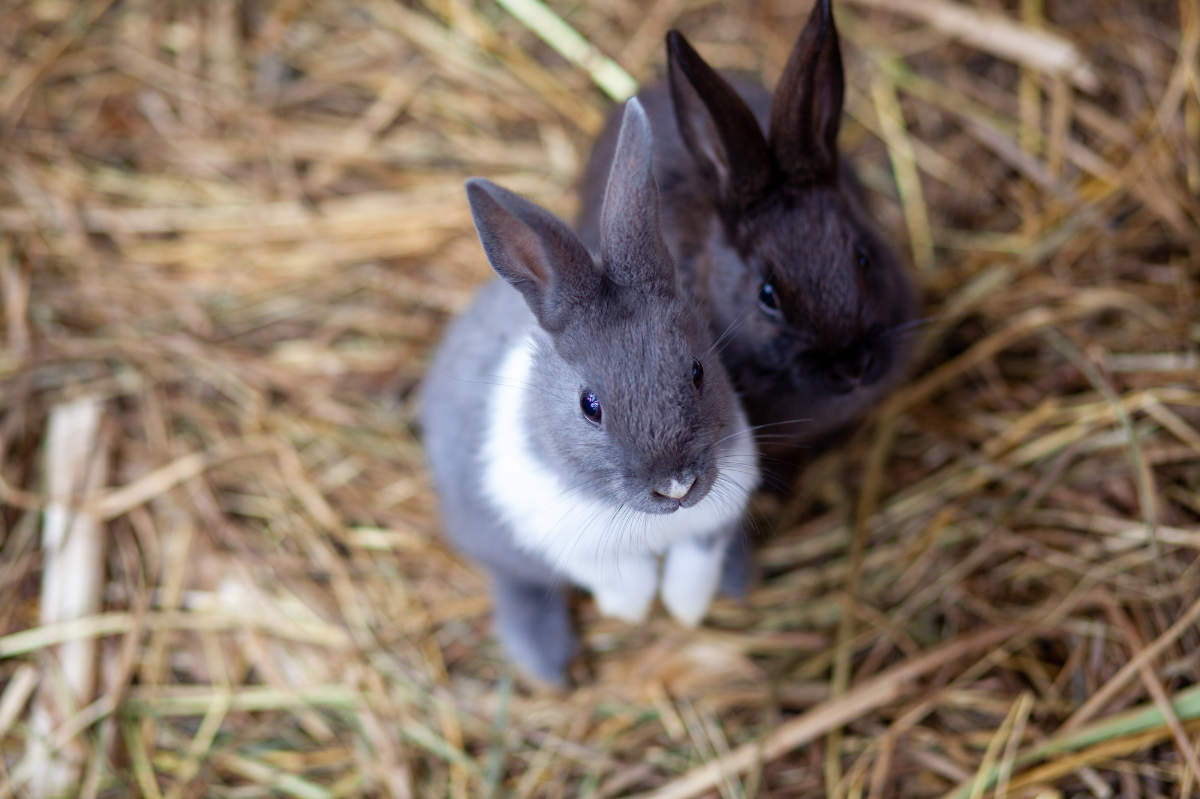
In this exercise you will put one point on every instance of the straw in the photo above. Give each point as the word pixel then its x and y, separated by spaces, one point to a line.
pixel 239 229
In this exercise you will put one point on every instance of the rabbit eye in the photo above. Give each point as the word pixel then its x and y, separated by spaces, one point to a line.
pixel 864 260
pixel 767 297
pixel 697 374
pixel 590 407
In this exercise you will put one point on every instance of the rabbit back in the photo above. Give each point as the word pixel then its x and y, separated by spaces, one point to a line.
pixel 464 373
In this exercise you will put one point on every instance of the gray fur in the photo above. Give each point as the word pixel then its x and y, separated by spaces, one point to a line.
pixel 617 328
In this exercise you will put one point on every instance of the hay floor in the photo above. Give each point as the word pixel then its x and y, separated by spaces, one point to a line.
pixel 241 228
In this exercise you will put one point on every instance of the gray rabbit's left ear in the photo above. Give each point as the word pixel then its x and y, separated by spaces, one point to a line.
pixel 631 244
pixel 806 110
pixel 535 252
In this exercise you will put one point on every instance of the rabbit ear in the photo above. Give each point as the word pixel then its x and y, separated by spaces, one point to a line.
pixel 807 108
pixel 534 251
pixel 631 243
pixel 717 126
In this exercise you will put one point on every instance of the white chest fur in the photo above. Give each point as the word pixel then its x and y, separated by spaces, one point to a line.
pixel 576 533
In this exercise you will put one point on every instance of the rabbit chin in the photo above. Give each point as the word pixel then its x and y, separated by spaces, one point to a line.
pixel 549 519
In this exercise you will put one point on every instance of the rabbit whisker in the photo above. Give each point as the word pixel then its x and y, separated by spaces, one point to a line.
pixel 729 329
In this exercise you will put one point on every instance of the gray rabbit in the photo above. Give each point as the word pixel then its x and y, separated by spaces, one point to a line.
pixel 769 231
pixel 578 422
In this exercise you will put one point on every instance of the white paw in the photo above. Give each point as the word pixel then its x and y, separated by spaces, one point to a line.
pixel 690 577
pixel 626 592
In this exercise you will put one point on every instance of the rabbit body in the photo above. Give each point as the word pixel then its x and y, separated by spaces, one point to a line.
pixel 770 232
pixel 530 485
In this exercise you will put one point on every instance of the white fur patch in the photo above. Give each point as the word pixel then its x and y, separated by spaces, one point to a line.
pixel 691 573
pixel 579 535
pixel 627 591
pixel 676 489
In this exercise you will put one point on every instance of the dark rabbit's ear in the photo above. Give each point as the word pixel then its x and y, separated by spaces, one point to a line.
pixel 717 126
pixel 631 243
pixel 806 110
pixel 533 250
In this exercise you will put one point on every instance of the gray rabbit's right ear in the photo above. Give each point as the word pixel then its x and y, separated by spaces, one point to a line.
pixel 631 243
pixel 718 128
pixel 534 251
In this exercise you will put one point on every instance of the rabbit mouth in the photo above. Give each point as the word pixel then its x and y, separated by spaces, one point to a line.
pixel 660 504
pixel 724 473
pixel 682 491
pixel 677 492
pixel 673 493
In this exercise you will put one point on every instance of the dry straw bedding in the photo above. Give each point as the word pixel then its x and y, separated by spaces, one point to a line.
pixel 240 227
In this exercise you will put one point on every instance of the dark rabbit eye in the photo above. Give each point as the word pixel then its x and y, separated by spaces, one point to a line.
pixel 864 260
pixel 590 406
pixel 766 296
pixel 697 374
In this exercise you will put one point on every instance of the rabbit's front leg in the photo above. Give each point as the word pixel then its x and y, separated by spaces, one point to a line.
pixel 691 574
pixel 737 567
pixel 534 626
pixel 623 587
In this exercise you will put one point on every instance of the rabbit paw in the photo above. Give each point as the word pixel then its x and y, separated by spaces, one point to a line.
pixel 628 592
pixel 690 577
pixel 534 627
pixel 737 569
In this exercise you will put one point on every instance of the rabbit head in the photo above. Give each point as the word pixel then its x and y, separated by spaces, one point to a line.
pixel 628 400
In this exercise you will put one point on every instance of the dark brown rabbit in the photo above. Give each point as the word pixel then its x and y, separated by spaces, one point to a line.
pixel 810 305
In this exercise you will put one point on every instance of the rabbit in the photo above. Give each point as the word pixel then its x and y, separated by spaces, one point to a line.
pixel 769 230
pixel 578 422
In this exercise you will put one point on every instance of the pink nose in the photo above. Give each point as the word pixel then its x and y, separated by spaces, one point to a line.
pixel 675 488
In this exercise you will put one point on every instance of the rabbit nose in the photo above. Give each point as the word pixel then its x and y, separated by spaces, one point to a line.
pixel 851 366
pixel 676 487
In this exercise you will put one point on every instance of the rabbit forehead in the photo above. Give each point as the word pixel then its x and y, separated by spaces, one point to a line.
pixel 636 353
pixel 809 243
